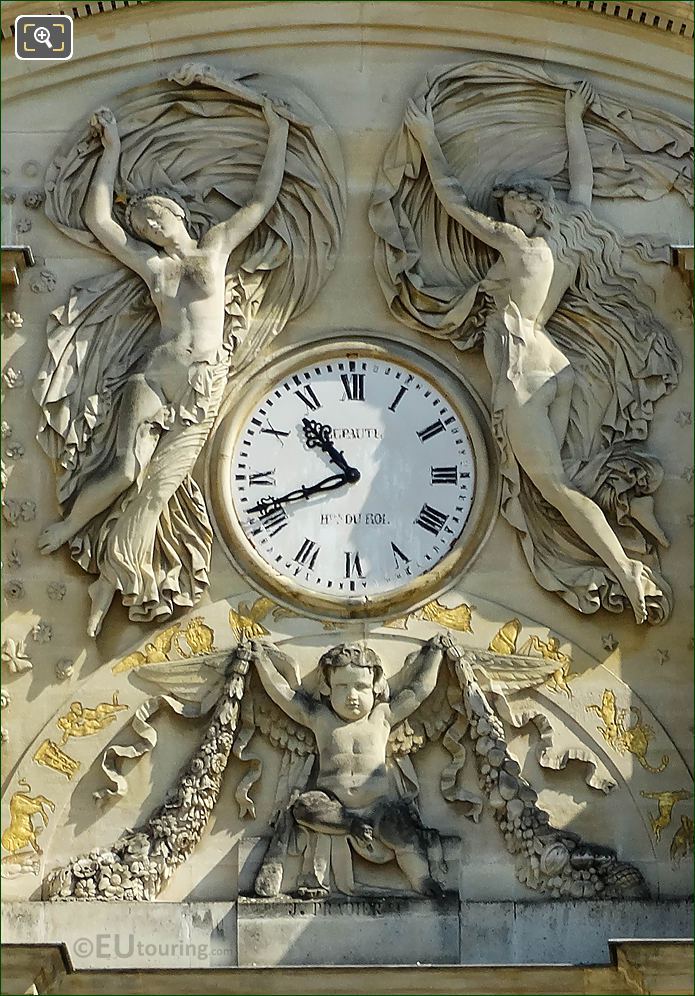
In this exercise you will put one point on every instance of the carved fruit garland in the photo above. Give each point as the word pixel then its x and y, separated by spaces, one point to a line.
pixel 141 862
pixel 548 860
pixel 551 861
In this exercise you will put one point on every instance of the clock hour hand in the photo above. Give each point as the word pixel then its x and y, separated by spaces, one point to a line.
pixel 302 493
pixel 316 434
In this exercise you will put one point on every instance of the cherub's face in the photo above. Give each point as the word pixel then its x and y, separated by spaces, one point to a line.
pixel 157 223
pixel 520 211
pixel 352 691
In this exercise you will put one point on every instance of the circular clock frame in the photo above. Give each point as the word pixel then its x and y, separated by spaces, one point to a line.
pixel 249 390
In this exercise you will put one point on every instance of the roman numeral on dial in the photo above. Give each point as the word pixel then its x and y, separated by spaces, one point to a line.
pixel 431 519
pixel 398 555
pixel 278 433
pixel 309 398
pixel 265 478
pixel 307 554
pixel 274 518
pixel 397 400
pixel 353 385
pixel 353 566
pixel 430 430
pixel 444 475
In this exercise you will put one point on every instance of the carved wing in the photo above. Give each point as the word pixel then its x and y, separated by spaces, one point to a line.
pixel 276 726
pixel 189 687
pixel 260 713
pixel 440 717
pixel 195 680
pixel 509 672
pixel 427 723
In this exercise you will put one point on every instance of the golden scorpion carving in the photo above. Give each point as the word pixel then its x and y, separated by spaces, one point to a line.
pixel 624 739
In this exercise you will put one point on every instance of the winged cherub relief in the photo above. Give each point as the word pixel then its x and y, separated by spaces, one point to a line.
pixel 211 193
pixel 346 786
pixel 477 244
pixel 357 792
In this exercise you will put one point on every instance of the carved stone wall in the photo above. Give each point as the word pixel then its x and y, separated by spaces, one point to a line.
pixel 349 401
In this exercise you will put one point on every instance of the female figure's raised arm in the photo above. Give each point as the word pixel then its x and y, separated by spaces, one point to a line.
pixel 230 234
pixel 98 205
pixel 497 234
pixel 579 164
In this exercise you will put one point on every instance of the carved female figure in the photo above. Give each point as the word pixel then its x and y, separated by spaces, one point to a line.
pixel 179 382
pixel 211 193
pixel 545 247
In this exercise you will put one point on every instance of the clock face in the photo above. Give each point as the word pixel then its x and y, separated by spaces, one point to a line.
pixel 351 476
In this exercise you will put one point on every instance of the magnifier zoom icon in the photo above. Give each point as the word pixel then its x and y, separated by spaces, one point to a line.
pixel 43 36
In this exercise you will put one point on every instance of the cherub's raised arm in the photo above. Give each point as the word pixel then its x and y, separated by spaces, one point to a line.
pixel 579 164
pixel 497 234
pixel 423 668
pixel 293 701
pixel 230 234
pixel 98 205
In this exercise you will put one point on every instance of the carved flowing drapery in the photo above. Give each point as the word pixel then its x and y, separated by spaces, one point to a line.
pixel 495 122
pixel 205 143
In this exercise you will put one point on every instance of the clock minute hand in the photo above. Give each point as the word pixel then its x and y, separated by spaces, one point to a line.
pixel 302 493
pixel 317 434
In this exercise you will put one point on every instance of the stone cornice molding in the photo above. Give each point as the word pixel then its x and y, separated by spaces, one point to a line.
pixel 11 9
pixel 673 16
pixel 666 15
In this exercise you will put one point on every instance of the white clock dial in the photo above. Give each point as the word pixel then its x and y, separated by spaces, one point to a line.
pixel 352 476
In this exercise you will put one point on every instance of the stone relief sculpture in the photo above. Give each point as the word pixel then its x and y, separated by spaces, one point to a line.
pixel 347 784
pixel 355 797
pixel 477 246
pixel 224 199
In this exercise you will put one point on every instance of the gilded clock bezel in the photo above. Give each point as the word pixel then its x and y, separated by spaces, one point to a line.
pixel 250 390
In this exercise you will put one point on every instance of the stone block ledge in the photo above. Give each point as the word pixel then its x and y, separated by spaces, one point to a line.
pixel 350 932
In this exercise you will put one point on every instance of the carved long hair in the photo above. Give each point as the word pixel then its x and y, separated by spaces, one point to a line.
pixel 577 236
pixel 352 653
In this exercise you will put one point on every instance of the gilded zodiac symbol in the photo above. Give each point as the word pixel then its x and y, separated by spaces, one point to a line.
pixel 156 652
pixel 665 803
pixel 21 830
pixel 79 721
pixel 682 843
pixel 625 739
